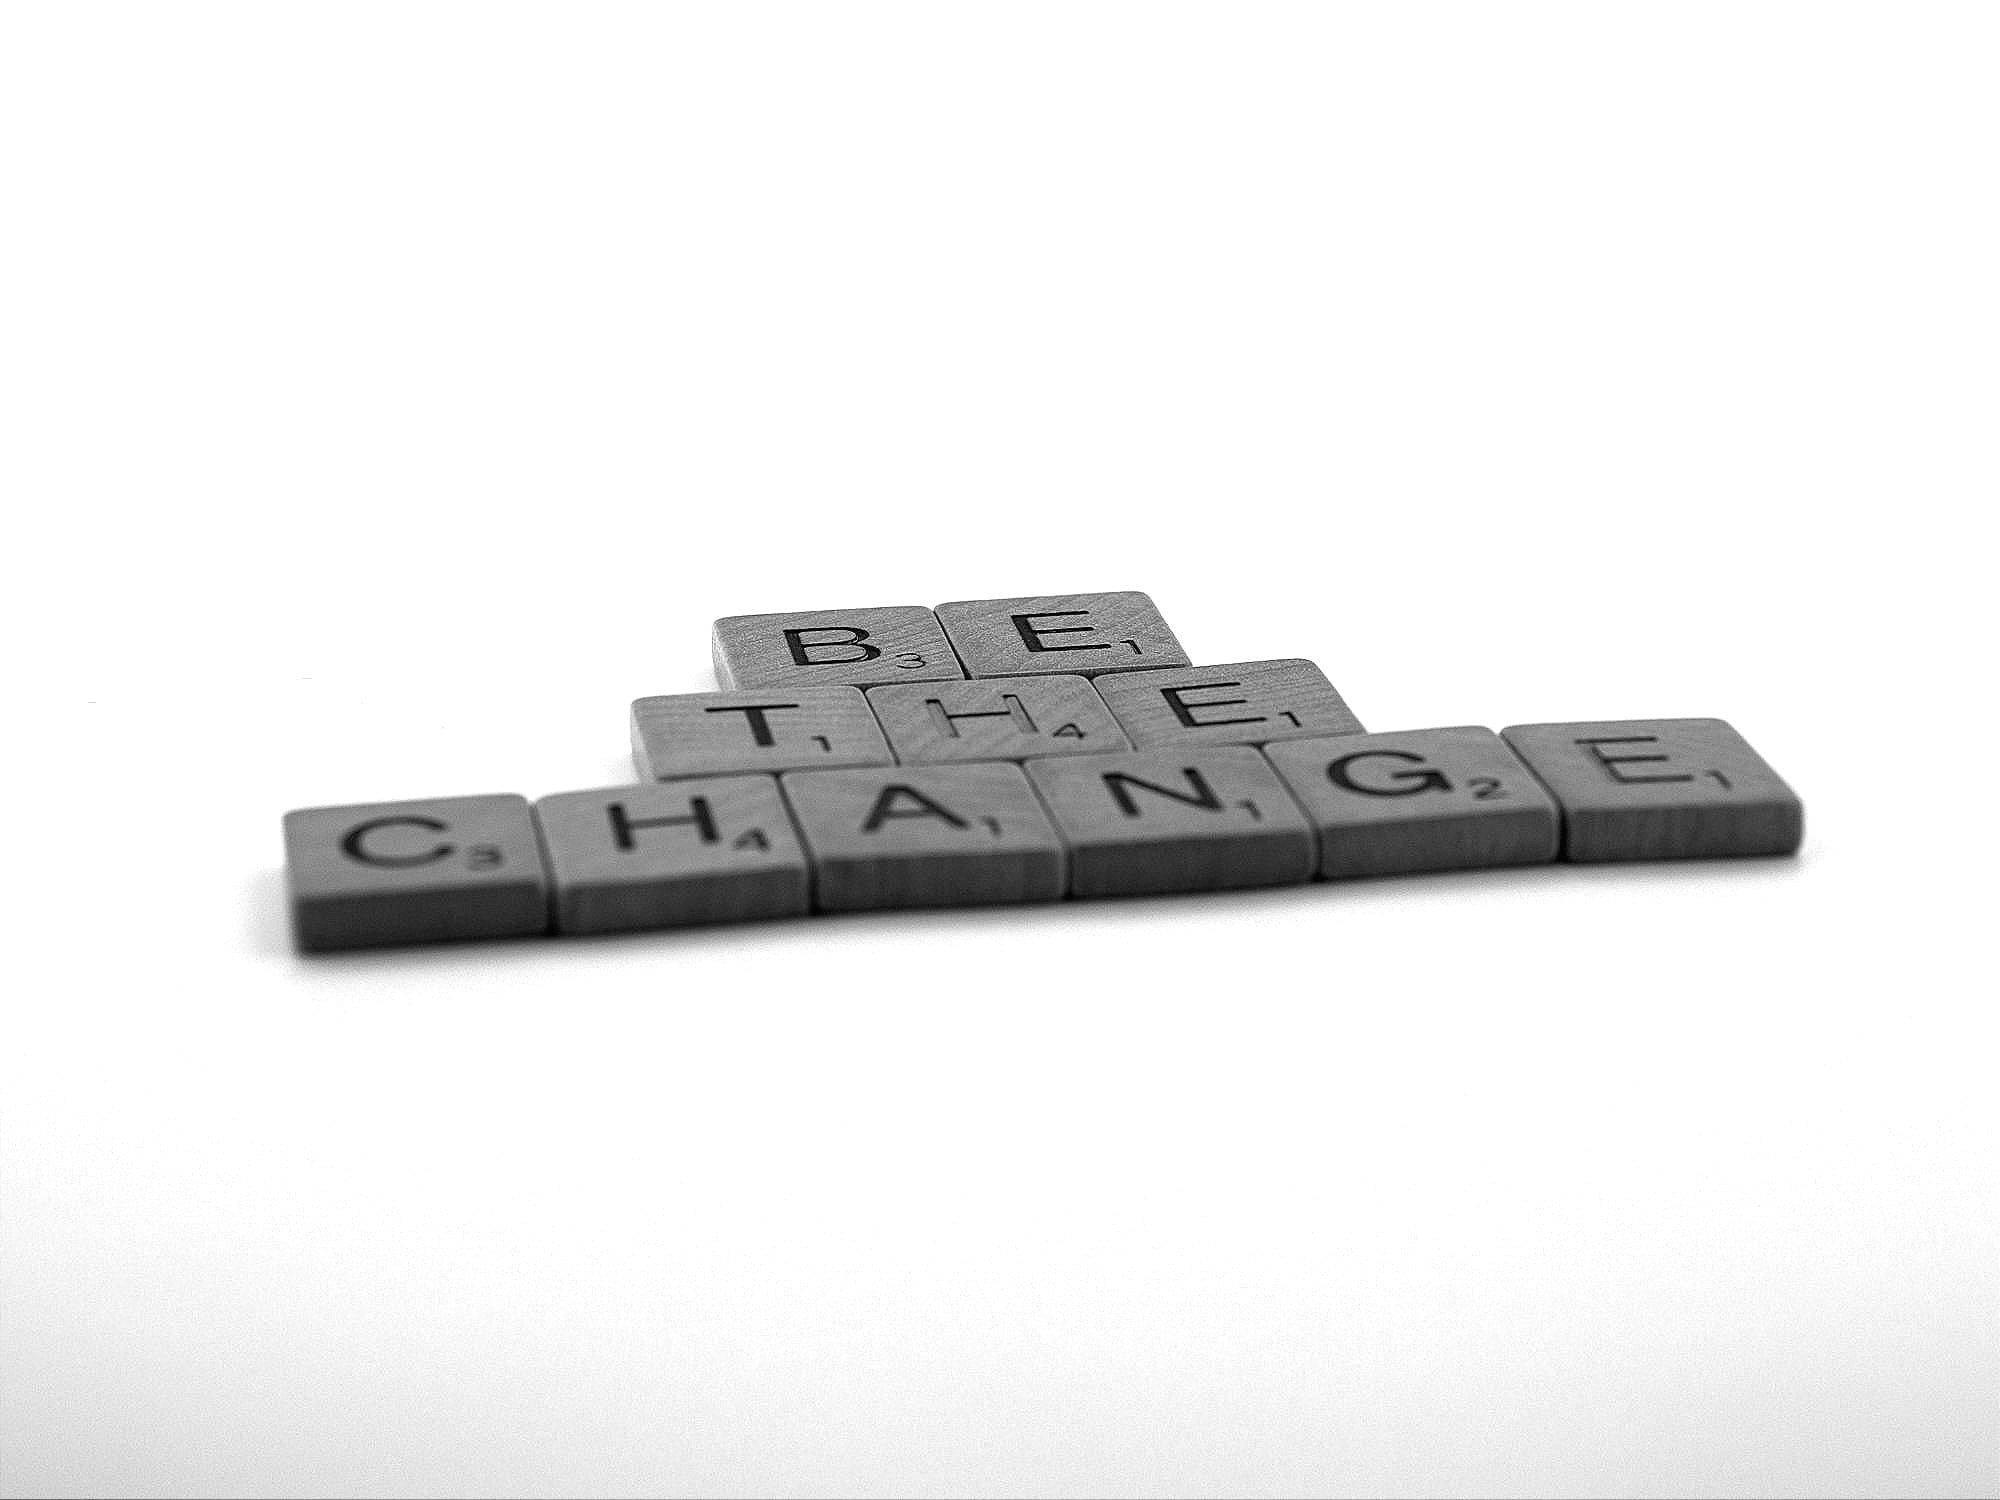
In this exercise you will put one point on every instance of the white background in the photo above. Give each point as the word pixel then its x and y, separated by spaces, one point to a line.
pixel 388 396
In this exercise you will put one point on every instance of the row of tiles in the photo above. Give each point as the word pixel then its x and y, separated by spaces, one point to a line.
pixel 994 718
pixel 737 847
pixel 1080 634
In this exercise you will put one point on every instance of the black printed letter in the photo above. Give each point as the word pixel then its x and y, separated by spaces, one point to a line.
pixel 1203 795
pixel 1184 711
pixel 1412 782
pixel 622 825
pixel 354 847
pixel 947 721
pixel 849 635
pixel 1611 763
pixel 760 727
pixel 885 808
pixel 1031 633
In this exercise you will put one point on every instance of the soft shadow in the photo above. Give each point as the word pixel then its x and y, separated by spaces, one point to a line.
pixel 270 933
pixel 1538 879
pixel 267 915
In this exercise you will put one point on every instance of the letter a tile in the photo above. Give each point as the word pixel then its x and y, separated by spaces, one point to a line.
pixel 833 648
pixel 716 734
pixel 1660 789
pixel 925 836
pixel 1080 634
pixel 414 872
pixel 1425 799
pixel 1174 820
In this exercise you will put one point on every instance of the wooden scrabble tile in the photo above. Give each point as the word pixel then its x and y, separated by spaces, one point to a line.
pixel 833 648
pixel 1424 799
pixel 925 836
pixel 672 854
pixel 1660 789
pixel 428 871
pixel 1238 703
pixel 1083 635
pixel 995 718
pixel 1174 820
pixel 716 734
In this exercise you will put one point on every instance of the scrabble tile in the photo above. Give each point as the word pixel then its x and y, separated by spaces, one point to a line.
pixel 669 854
pixel 833 648
pixel 1081 635
pixel 717 734
pixel 1238 703
pixel 925 836
pixel 1174 820
pixel 414 872
pixel 1660 789
pixel 995 718
pixel 1424 799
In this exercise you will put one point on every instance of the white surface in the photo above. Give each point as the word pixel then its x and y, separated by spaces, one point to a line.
pixel 390 397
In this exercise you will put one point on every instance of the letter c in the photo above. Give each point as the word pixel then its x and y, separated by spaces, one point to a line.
pixel 357 850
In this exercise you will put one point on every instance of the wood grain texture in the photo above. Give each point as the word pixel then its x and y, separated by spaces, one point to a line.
pixel 721 734
pixel 672 854
pixel 1083 635
pixel 428 871
pixel 1158 821
pixel 925 836
pixel 995 718
pixel 832 648
pixel 1236 703
pixel 1641 789
pixel 1422 799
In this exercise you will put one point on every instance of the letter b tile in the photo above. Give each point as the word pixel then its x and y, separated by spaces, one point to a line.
pixel 429 871
pixel 925 836
pixel 721 849
pixel 1174 820
pixel 1426 799
pixel 1660 789
pixel 833 648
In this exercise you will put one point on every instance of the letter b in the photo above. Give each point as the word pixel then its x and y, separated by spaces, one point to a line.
pixel 845 637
